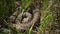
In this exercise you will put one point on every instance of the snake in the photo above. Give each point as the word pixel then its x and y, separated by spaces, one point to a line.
pixel 27 20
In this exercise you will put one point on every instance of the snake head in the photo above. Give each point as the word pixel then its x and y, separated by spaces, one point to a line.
pixel 35 10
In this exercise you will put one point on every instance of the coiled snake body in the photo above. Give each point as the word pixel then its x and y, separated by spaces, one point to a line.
pixel 27 21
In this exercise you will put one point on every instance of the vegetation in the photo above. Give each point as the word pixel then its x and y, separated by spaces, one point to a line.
pixel 49 19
